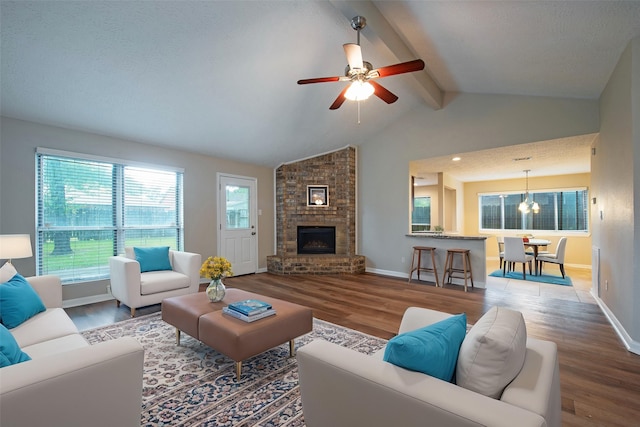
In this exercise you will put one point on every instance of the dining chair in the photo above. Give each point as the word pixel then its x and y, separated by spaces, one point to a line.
pixel 557 258
pixel 514 253
pixel 500 241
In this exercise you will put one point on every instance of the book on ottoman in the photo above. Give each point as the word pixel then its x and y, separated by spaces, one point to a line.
pixel 238 315
pixel 250 307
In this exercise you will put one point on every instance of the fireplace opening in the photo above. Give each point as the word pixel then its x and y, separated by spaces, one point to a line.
pixel 316 240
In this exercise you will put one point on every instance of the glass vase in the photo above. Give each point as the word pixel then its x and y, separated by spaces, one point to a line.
pixel 216 290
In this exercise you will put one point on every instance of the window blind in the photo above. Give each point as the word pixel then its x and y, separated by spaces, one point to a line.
pixel 90 209
pixel 560 210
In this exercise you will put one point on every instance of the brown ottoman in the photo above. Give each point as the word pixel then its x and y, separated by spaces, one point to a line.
pixel 184 312
pixel 195 315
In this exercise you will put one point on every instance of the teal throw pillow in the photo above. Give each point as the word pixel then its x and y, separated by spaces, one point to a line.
pixel 10 352
pixel 153 259
pixel 432 350
pixel 18 302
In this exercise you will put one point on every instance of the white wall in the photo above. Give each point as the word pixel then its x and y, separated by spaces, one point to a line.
pixel 467 123
pixel 634 286
pixel 615 174
pixel 454 204
pixel 19 140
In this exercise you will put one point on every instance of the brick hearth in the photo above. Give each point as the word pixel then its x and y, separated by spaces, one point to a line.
pixel 337 170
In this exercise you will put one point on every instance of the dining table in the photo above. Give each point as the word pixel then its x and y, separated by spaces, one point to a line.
pixel 535 244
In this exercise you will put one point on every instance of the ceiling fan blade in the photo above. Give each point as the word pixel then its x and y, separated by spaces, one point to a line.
pixel 319 80
pixel 339 100
pixel 383 93
pixel 354 55
pixel 404 67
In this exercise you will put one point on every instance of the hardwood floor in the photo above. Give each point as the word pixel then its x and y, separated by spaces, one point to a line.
pixel 600 379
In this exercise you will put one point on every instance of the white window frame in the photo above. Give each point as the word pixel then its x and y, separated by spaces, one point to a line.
pixel 117 225
pixel 524 230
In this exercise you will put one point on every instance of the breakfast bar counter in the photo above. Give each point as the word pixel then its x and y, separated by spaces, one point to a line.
pixel 444 241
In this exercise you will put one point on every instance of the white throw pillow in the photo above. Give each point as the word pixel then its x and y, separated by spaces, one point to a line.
pixel 7 271
pixel 493 352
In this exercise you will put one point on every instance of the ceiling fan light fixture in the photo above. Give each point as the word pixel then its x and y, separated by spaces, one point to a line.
pixel 359 91
pixel 362 74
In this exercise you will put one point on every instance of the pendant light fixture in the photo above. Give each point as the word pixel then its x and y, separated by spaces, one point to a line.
pixel 527 205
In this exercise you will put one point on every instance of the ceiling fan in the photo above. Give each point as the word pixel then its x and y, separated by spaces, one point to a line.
pixel 361 73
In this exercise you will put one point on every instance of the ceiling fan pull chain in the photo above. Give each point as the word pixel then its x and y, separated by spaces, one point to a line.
pixel 358 102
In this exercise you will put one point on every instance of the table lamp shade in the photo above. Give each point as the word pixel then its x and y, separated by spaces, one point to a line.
pixel 13 246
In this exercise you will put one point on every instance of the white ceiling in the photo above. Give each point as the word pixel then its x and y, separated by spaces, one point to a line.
pixel 219 77
pixel 562 156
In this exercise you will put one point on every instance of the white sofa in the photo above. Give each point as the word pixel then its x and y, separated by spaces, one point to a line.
pixel 136 289
pixel 69 382
pixel 342 387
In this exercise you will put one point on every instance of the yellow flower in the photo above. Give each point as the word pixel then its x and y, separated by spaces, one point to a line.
pixel 216 268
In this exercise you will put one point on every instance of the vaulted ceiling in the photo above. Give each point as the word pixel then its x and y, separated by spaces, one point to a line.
pixel 219 77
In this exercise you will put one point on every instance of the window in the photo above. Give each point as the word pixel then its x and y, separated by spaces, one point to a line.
pixel 563 210
pixel 421 214
pixel 237 207
pixel 89 209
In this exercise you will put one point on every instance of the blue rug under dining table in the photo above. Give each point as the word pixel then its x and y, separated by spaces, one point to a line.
pixel 543 278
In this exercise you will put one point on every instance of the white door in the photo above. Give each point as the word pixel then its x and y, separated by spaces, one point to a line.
pixel 237 213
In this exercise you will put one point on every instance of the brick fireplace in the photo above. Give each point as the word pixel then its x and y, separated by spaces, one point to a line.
pixel 337 171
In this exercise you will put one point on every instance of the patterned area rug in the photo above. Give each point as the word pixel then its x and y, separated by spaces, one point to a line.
pixel 193 385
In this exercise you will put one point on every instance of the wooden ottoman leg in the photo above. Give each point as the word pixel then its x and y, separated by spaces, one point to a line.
pixel 238 370
pixel 177 336
pixel 292 348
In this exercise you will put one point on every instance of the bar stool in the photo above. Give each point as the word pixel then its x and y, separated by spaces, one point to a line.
pixel 465 270
pixel 417 250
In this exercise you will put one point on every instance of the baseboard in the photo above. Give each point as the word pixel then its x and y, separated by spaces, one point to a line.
pixel 86 300
pixel 582 266
pixel 631 345
pixel 386 272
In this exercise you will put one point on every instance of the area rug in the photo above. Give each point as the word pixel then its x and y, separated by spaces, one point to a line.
pixel 193 385
pixel 543 278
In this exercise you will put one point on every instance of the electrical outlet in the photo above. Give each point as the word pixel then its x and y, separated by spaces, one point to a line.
pixel 402 260
pixel 606 285
pixel 108 289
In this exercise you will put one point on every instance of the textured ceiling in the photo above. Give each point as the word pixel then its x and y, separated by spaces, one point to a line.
pixel 218 77
pixel 556 157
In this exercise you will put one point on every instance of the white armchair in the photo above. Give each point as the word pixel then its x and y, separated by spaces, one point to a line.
pixel 136 289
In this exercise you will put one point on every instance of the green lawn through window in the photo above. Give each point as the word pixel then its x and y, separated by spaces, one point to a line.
pixel 93 253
